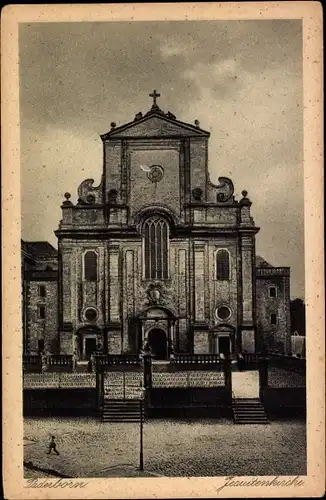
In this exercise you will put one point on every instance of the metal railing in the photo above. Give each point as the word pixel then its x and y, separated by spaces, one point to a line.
pixel 59 360
pixel 32 359
pixel 52 362
pixel 196 359
pixel 116 359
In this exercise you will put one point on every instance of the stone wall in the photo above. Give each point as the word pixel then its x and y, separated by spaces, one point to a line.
pixel 275 336
pixel 142 190
pixel 198 163
pixel 58 380
pixel 37 328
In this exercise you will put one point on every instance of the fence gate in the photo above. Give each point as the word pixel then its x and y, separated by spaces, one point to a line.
pixel 121 385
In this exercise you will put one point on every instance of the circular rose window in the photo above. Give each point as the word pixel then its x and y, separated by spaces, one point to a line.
pixel 223 313
pixel 91 314
pixel 155 173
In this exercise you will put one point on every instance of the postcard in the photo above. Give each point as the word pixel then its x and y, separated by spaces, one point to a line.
pixel 163 250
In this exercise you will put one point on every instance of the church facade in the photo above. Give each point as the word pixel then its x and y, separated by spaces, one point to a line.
pixel 158 256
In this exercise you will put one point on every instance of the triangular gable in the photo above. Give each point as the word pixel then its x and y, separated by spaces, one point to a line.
pixel 155 125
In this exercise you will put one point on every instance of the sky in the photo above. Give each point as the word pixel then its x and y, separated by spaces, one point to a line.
pixel 241 79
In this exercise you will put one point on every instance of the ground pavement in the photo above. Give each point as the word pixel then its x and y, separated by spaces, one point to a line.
pixel 90 448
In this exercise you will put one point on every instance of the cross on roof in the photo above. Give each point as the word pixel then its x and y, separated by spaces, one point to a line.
pixel 154 95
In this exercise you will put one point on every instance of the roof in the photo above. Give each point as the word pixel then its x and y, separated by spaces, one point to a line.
pixel 155 123
pixel 39 249
pixel 260 262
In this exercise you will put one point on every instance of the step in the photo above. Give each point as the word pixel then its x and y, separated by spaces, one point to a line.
pixel 247 406
pixel 118 420
pixel 118 412
pixel 245 403
pixel 123 408
pixel 260 411
pixel 126 402
pixel 246 400
pixel 253 422
pixel 247 417
pixel 248 411
pixel 118 415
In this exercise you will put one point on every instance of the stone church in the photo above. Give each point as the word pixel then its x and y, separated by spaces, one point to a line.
pixel 156 255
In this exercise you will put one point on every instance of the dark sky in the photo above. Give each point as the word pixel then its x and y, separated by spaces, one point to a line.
pixel 241 79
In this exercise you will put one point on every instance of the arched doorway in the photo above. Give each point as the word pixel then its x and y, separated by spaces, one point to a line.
pixel 158 344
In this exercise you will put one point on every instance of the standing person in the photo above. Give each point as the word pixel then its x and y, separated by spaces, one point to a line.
pixel 53 446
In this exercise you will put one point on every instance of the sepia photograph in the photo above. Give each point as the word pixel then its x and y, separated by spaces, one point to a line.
pixel 162 250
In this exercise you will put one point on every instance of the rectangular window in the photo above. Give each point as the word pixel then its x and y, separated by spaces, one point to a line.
pixel 41 345
pixel 41 312
pixel 273 319
pixel 222 264
pixel 272 291
pixel 41 291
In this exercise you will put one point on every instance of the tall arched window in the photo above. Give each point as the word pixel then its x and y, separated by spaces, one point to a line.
pixel 156 235
pixel 222 264
pixel 90 266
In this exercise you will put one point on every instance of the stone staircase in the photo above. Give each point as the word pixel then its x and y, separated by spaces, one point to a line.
pixel 120 410
pixel 248 411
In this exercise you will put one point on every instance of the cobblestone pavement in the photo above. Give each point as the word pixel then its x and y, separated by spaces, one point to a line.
pixel 90 448
pixel 33 474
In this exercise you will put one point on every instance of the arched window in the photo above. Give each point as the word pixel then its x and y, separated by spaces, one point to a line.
pixel 156 235
pixel 90 266
pixel 222 264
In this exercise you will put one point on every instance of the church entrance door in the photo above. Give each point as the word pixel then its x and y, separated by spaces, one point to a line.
pixel 89 347
pixel 224 345
pixel 158 343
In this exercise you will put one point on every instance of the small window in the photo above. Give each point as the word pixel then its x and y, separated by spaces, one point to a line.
pixel 223 313
pixel 222 265
pixel 272 291
pixel 91 314
pixel 41 291
pixel 41 312
pixel 90 266
pixel 273 319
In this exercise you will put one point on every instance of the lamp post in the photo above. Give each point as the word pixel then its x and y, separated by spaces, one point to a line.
pixel 141 448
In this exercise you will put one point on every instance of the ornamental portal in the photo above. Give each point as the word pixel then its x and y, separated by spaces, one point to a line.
pixel 158 343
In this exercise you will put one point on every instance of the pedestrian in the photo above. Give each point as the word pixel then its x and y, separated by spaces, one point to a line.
pixel 53 446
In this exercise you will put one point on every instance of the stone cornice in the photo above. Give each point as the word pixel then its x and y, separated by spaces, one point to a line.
pixel 127 232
